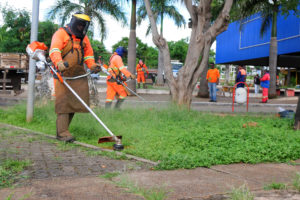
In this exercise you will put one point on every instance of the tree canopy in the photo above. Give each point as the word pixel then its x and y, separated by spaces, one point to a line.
pixel 15 33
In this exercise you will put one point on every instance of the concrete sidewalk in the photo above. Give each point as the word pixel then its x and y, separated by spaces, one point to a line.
pixel 60 171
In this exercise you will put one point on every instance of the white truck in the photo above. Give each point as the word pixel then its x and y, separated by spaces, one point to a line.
pixel 13 69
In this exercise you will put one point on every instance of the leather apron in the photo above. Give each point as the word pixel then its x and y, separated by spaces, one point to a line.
pixel 65 101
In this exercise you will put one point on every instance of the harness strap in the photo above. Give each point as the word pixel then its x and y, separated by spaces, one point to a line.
pixel 80 62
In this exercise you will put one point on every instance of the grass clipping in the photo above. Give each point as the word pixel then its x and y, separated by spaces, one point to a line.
pixel 177 138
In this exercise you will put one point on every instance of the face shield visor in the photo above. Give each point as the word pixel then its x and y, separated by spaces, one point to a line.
pixel 79 25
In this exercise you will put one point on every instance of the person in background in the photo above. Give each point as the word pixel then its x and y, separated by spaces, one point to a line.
pixel 241 77
pixel 265 84
pixel 141 69
pixel 70 50
pixel 114 88
pixel 256 83
pixel 212 77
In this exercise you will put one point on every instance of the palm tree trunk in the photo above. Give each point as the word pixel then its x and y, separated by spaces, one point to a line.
pixel 273 58
pixel 160 71
pixel 132 45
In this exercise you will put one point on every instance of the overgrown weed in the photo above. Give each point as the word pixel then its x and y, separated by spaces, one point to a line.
pixel 241 193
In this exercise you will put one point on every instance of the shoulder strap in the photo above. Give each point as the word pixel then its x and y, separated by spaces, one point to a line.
pixel 67 29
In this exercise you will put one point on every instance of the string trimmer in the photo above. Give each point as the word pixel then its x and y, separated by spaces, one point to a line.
pixel 36 50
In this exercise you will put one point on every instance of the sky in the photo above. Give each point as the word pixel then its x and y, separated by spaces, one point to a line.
pixel 115 29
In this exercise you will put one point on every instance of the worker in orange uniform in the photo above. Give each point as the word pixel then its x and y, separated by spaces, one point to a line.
pixel 141 68
pixel 70 49
pixel 114 87
pixel 212 77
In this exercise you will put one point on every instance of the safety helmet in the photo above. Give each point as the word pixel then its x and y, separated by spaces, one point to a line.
pixel 79 24
pixel 121 51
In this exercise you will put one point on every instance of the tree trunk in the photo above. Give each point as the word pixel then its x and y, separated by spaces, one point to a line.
pixel 288 80
pixel 132 46
pixel 227 74
pixel 160 70
pixel 297 116
pixel 203 34
pixel 203 90
pixel 272 67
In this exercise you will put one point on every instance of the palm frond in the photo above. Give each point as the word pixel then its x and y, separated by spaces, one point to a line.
pixel 173 13
pixel 101 21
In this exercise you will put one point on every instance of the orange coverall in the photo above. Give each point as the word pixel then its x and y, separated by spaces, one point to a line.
pixel 115 68
pixel 140 72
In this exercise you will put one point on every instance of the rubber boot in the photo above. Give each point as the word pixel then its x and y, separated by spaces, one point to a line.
pixel 62 125
pixel 108 105
pixel 119 103
pixel 139 85
pixel 144 86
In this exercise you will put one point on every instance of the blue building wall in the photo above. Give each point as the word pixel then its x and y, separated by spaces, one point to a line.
pixel 245 44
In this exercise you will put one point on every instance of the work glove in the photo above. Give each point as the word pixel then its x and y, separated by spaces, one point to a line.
pixel 61 66
pixel 132 76
pixel 96 68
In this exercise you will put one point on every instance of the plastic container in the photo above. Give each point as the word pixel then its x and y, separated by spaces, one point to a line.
pixel 290 92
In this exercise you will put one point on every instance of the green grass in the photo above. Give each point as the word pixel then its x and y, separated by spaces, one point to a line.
pixel 296 182
pixel 178 138
pixel 9 170
pixel 158 193
pixel 275 186
pixel 110 175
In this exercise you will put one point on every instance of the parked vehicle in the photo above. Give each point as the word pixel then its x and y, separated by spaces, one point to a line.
pixel 13 69
pixel 176 66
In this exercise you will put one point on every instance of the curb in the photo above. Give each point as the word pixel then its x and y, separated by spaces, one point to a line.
pixel 83 144
pixel 215 103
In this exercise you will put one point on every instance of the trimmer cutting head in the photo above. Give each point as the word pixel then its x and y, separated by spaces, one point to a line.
pixel 117 146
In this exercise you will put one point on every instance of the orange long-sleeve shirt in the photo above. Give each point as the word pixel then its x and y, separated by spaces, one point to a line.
pixel 116 65
pixel 60 40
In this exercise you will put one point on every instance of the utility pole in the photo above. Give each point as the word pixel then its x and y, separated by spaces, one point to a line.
pixel 31 75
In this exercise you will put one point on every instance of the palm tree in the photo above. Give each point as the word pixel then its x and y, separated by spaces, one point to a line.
pixel 269 10
pixel 132 43
pixel 160 9
pixel 93 8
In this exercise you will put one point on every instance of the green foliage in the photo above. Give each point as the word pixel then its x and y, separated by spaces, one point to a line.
pixel 241 193
pixel 178 50
pixel 15 33
pixel 177 138
pixel 110 175
pixel 275 186
pixel 152 57
pixel 99 50
pixel 148 54
pixel 46 30
pixel 63 10
pixel 9 170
